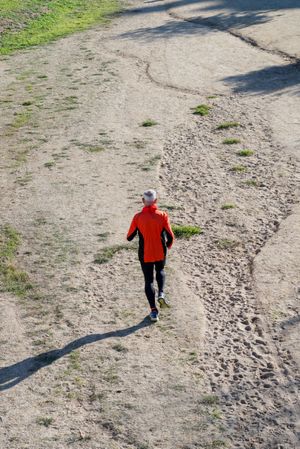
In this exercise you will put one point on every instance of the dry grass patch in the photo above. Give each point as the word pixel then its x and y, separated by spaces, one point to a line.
pixel 12 279
pixel 106 254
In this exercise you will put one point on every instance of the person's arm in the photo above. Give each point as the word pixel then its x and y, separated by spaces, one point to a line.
pixel 169 232
pixel 132 230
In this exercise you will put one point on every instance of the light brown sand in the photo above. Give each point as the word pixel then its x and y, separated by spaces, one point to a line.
pixel 220 368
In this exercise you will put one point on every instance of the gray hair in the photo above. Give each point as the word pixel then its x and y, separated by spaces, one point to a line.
pixel 149 196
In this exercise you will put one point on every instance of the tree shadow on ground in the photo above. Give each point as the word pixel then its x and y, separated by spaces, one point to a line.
pixel 267 80
pixel 167 30
pixel 222 20
pixel 225 13
pixel 252 5
pixel 14 374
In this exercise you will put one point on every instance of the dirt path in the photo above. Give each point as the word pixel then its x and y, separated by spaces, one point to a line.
pixel 82 367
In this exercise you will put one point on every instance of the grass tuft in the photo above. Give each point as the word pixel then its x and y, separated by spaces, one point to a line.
pixel 245 153
pixel 49 164
pixel 238 168
pixel 251 183
pixel 201 109
pixel 185 231
pixel 231 141
pixel 227 206
pixel 147 123
pixel 227 125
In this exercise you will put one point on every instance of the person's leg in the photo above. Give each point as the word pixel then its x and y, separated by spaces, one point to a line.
pixel 160 276
pixel 149 287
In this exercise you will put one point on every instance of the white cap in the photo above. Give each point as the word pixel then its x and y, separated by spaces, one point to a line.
pixel 149 196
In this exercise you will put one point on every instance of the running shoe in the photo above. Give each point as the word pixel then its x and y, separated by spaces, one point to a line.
pixel 163 303
pixel 154 315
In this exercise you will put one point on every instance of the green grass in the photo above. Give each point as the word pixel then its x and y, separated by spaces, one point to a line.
pixel 106 254
pixel 231 141
pixel 147 123
pixel 227 125
pixel 201 109
pixel 227 206
pixel 12 279
pixel 185 231
pixel 238 169
pixel 245 153
pixel 33 22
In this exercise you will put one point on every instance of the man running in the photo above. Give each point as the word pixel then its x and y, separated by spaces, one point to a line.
pixel 155 236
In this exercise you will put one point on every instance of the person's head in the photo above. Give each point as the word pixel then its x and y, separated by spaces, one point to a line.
pixel 149 197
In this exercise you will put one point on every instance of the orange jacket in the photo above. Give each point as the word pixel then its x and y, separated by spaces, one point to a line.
pixel 155 233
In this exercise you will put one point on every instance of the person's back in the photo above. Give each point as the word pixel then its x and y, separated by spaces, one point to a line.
pixel 155 236
pixel 153 228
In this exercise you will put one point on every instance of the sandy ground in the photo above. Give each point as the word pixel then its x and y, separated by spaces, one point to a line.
pixel 81 366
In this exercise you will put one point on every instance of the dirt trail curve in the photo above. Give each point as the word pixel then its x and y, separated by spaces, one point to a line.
pixel 80 365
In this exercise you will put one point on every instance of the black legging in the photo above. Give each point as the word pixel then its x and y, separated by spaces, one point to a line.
pixel 147 268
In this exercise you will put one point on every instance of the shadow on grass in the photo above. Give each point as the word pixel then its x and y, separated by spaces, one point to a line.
pixel 16 373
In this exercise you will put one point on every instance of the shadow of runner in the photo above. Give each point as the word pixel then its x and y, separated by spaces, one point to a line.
pixel 14 374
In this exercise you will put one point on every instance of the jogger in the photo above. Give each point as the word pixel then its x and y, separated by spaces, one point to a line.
pixel 155 237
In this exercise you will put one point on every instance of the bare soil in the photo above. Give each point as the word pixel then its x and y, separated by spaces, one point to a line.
pixel 81 365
